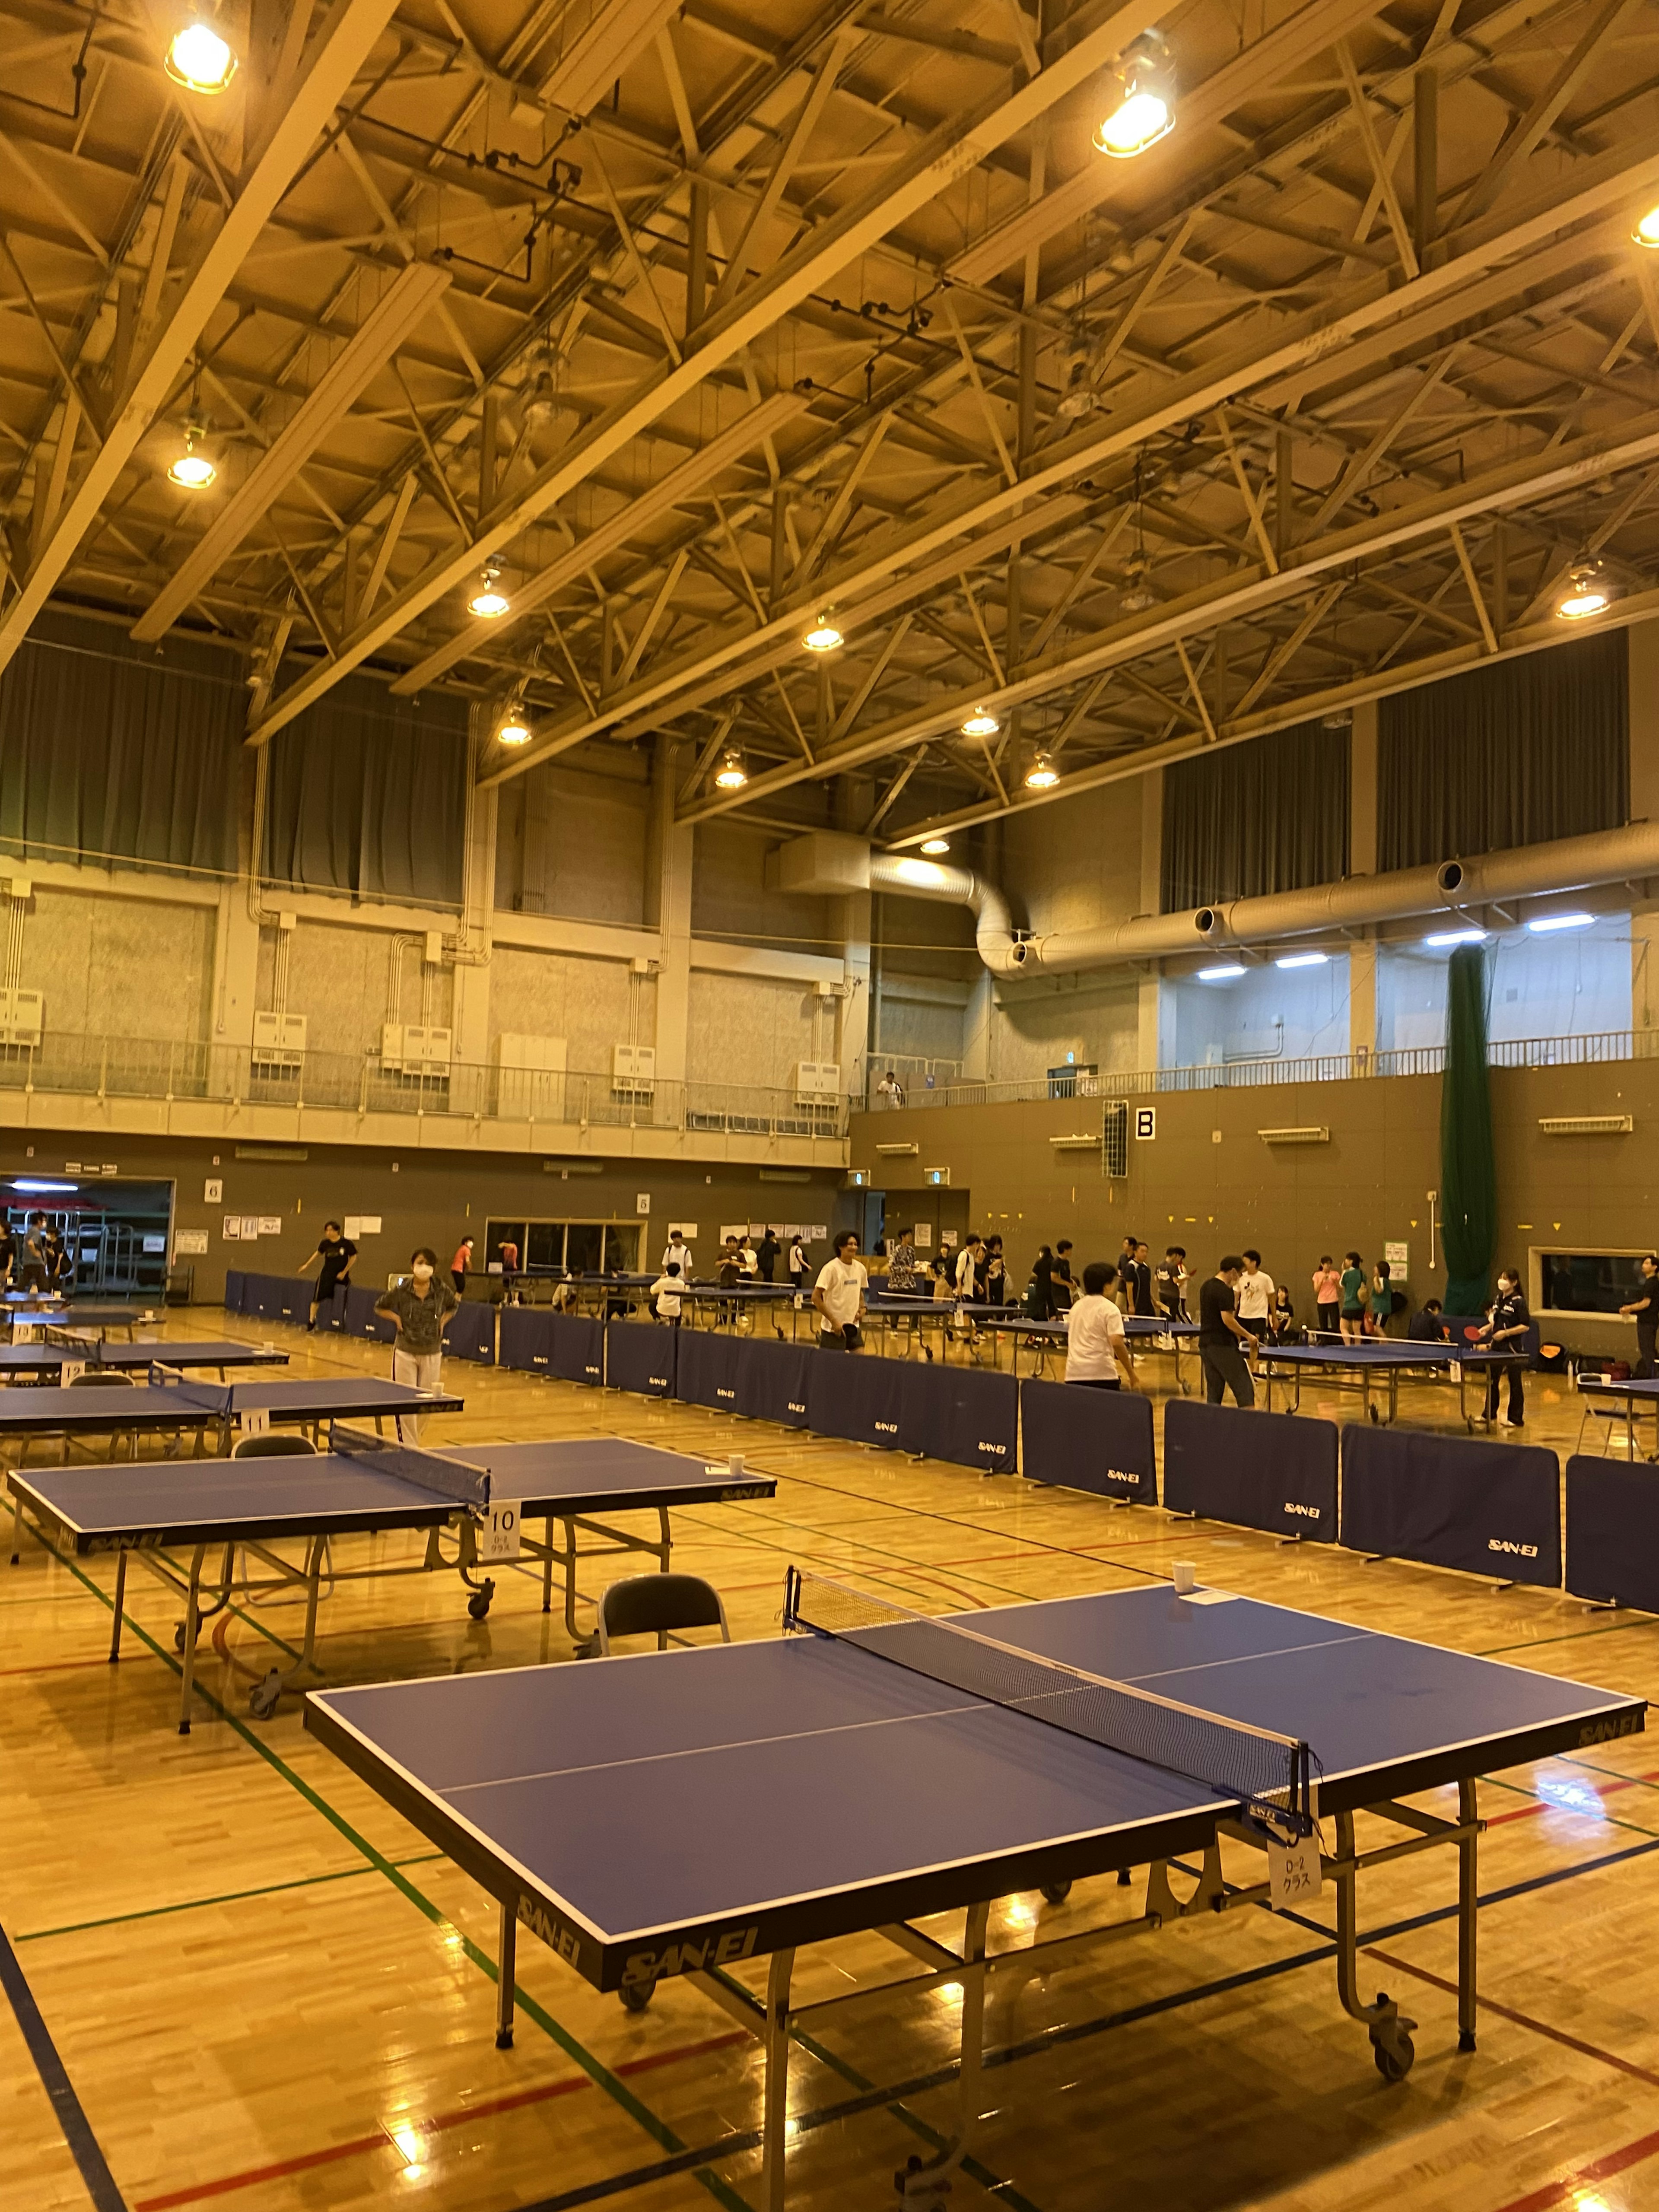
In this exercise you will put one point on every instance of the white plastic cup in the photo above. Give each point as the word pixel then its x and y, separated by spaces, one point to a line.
pixel 735 1466
pixel 1185 1577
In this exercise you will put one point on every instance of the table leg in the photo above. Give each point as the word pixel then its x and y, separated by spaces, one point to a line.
pixel 775 2104
pixel 192 1622
pixel 1468 1901
pixel 547 1565
pixel 928 2181
pixel 568 1555
pixel 120 1595
pixel 1389 2029
pixel 506 1969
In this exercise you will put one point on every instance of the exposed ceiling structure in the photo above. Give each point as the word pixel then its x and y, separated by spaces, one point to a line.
pixel 688 329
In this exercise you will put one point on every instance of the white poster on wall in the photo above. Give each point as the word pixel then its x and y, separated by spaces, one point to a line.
pixel 922 1236
pixel 1398 1259
pixel 213 1193
pixel 687 1229
pixel 232 1229
pixel 270 1224
pixel 362 1225
pixel 643 1202
pixel 190 1243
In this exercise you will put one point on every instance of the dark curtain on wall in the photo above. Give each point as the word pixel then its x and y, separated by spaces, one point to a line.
pixel 1469 1168
pixel 1533 748
pixel 368 794
pixel 109 751
pixel 1268 816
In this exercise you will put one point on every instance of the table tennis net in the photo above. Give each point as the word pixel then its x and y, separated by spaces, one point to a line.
pixel 1271 1775
pixel 468 1483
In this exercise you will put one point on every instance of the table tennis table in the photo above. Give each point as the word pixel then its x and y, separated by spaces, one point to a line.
pixel 169 1405
pixel 707 1300
pixel 1635 1392
pixel 877 1768
pixel 239 1509
pixel 39 1361
pixel 1357 1367
pixel 30 1315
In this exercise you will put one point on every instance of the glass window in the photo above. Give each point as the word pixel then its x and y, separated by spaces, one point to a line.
pixel 1588 1282
pixel 584 1247
pixel 545 1246
pixel 621 1250
pixel 497 1233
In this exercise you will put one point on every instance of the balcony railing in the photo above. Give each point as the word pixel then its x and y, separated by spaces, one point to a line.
pixel 1593 1049
pixel 151 1068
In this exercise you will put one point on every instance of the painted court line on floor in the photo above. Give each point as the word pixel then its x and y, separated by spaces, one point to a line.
pixel 66 2106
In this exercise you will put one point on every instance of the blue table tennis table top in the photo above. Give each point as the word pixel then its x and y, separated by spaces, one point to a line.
pixel 42 1359
pixel 1389 1352
pixel 647 1813
pixel 201 1404
pixel 151 1504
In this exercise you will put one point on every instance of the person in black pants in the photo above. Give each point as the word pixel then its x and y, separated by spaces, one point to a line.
pixel 1224 1342
pixel 1646 1308
pixel 1509 1328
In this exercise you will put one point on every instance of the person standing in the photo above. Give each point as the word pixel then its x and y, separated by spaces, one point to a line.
pixel 1143 1302
pixel 677 1253
pixel 459 1264
pixel 510 1271
pixel 996 1273
pixel 1351 1294
pixel 1096 1348
pixel 967 1265
pixel 1509 1328
pixel 902 1267
pixel 1645 1306
pixel 767 1253
pixel 1169 1285
pixel 1060 1276
pixel 797 1265
pixel 32 1274
pixel 1382 1298
pixel 1040 1299
pixel 1281 1317
pixel 839 1295
pixel 1255 1295
pixel 1224 1342
pixel 7 1252
pixel 417 1309
pixel 1327 1298
pixel 889 1090
pixel 337 1252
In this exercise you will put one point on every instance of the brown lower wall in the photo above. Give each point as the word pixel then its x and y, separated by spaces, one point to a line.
pixel 422 1198
pixel 1208 1180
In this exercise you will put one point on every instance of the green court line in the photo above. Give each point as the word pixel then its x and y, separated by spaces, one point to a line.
pixel 227 1897
pixel 596 2070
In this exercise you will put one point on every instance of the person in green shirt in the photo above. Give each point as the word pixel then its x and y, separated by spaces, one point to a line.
pixel 1352 1318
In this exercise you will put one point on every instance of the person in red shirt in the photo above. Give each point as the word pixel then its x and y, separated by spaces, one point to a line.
pixel 459 1264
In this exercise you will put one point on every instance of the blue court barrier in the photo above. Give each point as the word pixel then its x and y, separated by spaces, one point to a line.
pixel 578 1348
pixel 772 1380
pixel 967 1415
pixel 235 1285
pixel 1276 1472
pixel 851 1396
pixel 362 1319
pixel 470 1332
pixel 638 1356
pixel 1095 1440
pixel 277 1297
pixel 706 1374
pixel 1489 1509
pixel 526 1339
pixel 1612 1531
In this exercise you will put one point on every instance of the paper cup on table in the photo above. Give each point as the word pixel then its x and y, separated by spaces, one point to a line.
pixel 1185 1577
pixel 735 1466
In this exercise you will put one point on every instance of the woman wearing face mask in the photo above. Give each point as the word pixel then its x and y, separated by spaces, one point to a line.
pixel 418 1309
pixel 1509 1328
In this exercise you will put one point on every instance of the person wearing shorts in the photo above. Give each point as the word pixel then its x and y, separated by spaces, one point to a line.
pixel 1351 1319
pixel 1327 1297
pixel 1096 1348
pixel 337 1252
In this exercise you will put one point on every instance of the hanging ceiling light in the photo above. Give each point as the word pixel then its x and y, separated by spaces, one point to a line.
pixel 1586 592
pixel 514 728
pixel 731 774
pixel 1042 775
pixel 1079 397
pixel 935 846
pixel 1140 105
pixel 981 723
pixel 1136 594
pixel 1646 232
pixel 823 636
pixel 191 471
pixel 489 602
pixel 198 58
pixel 541 395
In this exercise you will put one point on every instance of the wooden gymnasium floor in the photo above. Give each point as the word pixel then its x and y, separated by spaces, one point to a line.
pixel 267 1991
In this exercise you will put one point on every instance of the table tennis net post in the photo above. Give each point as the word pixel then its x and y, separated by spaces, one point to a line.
pixel 1269 1774
pixel 218 1398
pixel 469 1485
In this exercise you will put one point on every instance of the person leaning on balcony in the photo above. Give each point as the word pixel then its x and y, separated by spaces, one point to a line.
pixel 1644 1308
pixel 890 1090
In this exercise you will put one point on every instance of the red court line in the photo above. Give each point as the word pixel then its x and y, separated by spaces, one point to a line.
pixel 383 2139
pixel 54 1667
pixel 1603 2169
pixel 1522 2020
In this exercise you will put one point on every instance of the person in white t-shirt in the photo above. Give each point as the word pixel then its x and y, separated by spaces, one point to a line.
pixel 1255 1296
pixel 677 1253
pixel 968 1261
pixel 1097 1347
pixel 666 1292
pixel 839 1295
pixel 749 1259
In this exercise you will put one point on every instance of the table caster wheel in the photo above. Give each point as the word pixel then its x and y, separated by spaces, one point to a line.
pixel 478 1604
pixel 263 1698
pixel 1394 2064
pixel 1055 1892
pixel 178 1635
pixel 635 1995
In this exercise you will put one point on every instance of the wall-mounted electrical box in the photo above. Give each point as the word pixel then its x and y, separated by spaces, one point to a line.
pixel 279 1040
pixel 816 1081
pixel 21 1016
pixel 633 1070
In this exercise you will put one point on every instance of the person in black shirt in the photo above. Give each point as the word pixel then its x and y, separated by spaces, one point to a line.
pixel 337 1252
pixel 1427 1326
pixel 1061 1276
pixel 1223 1339
pixel 1040 1298
pixel 1509 1328
pixel 1143 1284
pixel 1645 1307
pixel 766 1253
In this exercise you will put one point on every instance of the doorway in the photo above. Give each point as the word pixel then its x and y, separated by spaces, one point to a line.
pixel 112 1236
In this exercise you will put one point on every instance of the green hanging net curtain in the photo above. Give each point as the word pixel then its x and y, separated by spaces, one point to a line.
pixel 1468 1169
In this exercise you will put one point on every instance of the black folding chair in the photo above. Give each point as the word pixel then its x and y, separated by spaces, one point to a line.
pixel 273 1446
pixel 658 1605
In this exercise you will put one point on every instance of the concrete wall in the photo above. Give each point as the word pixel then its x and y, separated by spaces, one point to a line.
pixel 745 1030
pixel 120 967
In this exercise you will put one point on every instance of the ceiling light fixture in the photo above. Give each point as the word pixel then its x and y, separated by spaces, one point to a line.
pixel 981 723
pixel 1646 232
pixel 489 602
pixel 1042 775
pixel 935 845
pixel 514 728
pixel 823 636
pixel 1079 397
pixel 191 471
pixel 198 58
pixel 1444 939
pixel 1222 975
pixel 1141 102
pixel 1545 922
pixel 1586 592
pixel 1302 960
pixel 731 774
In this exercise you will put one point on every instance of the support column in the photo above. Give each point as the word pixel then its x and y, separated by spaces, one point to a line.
pixel 669 856
pixel 1150 1040
pixel 1362 861
pixel 470 1007
pixel 236 934
pixel 1644 807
